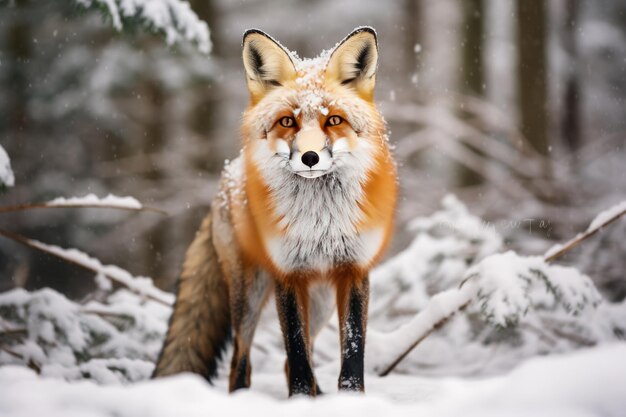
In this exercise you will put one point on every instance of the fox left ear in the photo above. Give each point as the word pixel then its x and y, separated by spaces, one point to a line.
pixel 267 64
pixel 353 63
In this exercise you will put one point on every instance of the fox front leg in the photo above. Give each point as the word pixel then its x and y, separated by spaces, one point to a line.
pixel 292 311
pixel 352 304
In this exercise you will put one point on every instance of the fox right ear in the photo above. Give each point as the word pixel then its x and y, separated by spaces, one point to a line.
pixel 267 64
pixel 353 62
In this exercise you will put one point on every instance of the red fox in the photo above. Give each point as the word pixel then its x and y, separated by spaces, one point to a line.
pixel 305 211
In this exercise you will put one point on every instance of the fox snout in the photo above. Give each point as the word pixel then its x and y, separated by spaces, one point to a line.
pixel 309 142
pixel 310 156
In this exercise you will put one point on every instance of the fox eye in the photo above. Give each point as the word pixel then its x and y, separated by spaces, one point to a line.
pixel 287 121
pixel 334 120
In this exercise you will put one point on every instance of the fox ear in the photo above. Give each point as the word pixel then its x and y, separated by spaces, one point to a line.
pixel 267 64
pixel 353 62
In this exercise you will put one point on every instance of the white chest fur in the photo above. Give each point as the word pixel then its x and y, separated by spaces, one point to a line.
pixel 319 218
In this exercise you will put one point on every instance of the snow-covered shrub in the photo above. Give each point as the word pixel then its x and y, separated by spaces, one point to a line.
pixel 116 340
pixel 514 306
pixel 445 245
pixel 115 336
pixel 510 286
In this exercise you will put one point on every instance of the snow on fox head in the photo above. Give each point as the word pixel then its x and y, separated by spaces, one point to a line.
pixel 312 117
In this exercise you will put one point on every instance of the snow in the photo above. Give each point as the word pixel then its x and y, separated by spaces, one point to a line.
pixel 6 174
pixel 174 18
pixel 587 383
pixel 606 215
pixel 554 249
pixel 310 79
pixel 510 285
pixel 93 200
pixel 233 181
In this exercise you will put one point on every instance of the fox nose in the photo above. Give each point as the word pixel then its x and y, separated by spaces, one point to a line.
pixel 310 158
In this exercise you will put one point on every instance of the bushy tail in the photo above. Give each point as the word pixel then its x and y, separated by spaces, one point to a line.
pixel 199 327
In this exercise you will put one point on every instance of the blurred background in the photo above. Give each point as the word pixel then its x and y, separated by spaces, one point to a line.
pixel 517 107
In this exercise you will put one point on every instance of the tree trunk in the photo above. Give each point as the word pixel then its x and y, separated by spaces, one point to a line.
pixel 19 50
pixel 532 73
pixel 472 81
pixel 570 114
pixel 413 28
pixel 473 47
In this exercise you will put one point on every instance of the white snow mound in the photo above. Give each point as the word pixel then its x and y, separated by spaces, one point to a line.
pixel 587 383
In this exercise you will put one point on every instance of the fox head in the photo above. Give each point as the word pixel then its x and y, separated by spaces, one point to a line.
pixel 312 117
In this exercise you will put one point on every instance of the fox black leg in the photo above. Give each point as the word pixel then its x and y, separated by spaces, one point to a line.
pixel 291 305
pixel 246 302
pixel 352 302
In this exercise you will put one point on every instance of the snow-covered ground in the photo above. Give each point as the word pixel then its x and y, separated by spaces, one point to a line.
pixel 587 383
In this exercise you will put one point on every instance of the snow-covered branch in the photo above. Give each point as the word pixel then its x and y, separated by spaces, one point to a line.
pixel 89 201
pixel 140 285
pixel 404 339
pixel 93 200
pixel 600 221
pixel 174 18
